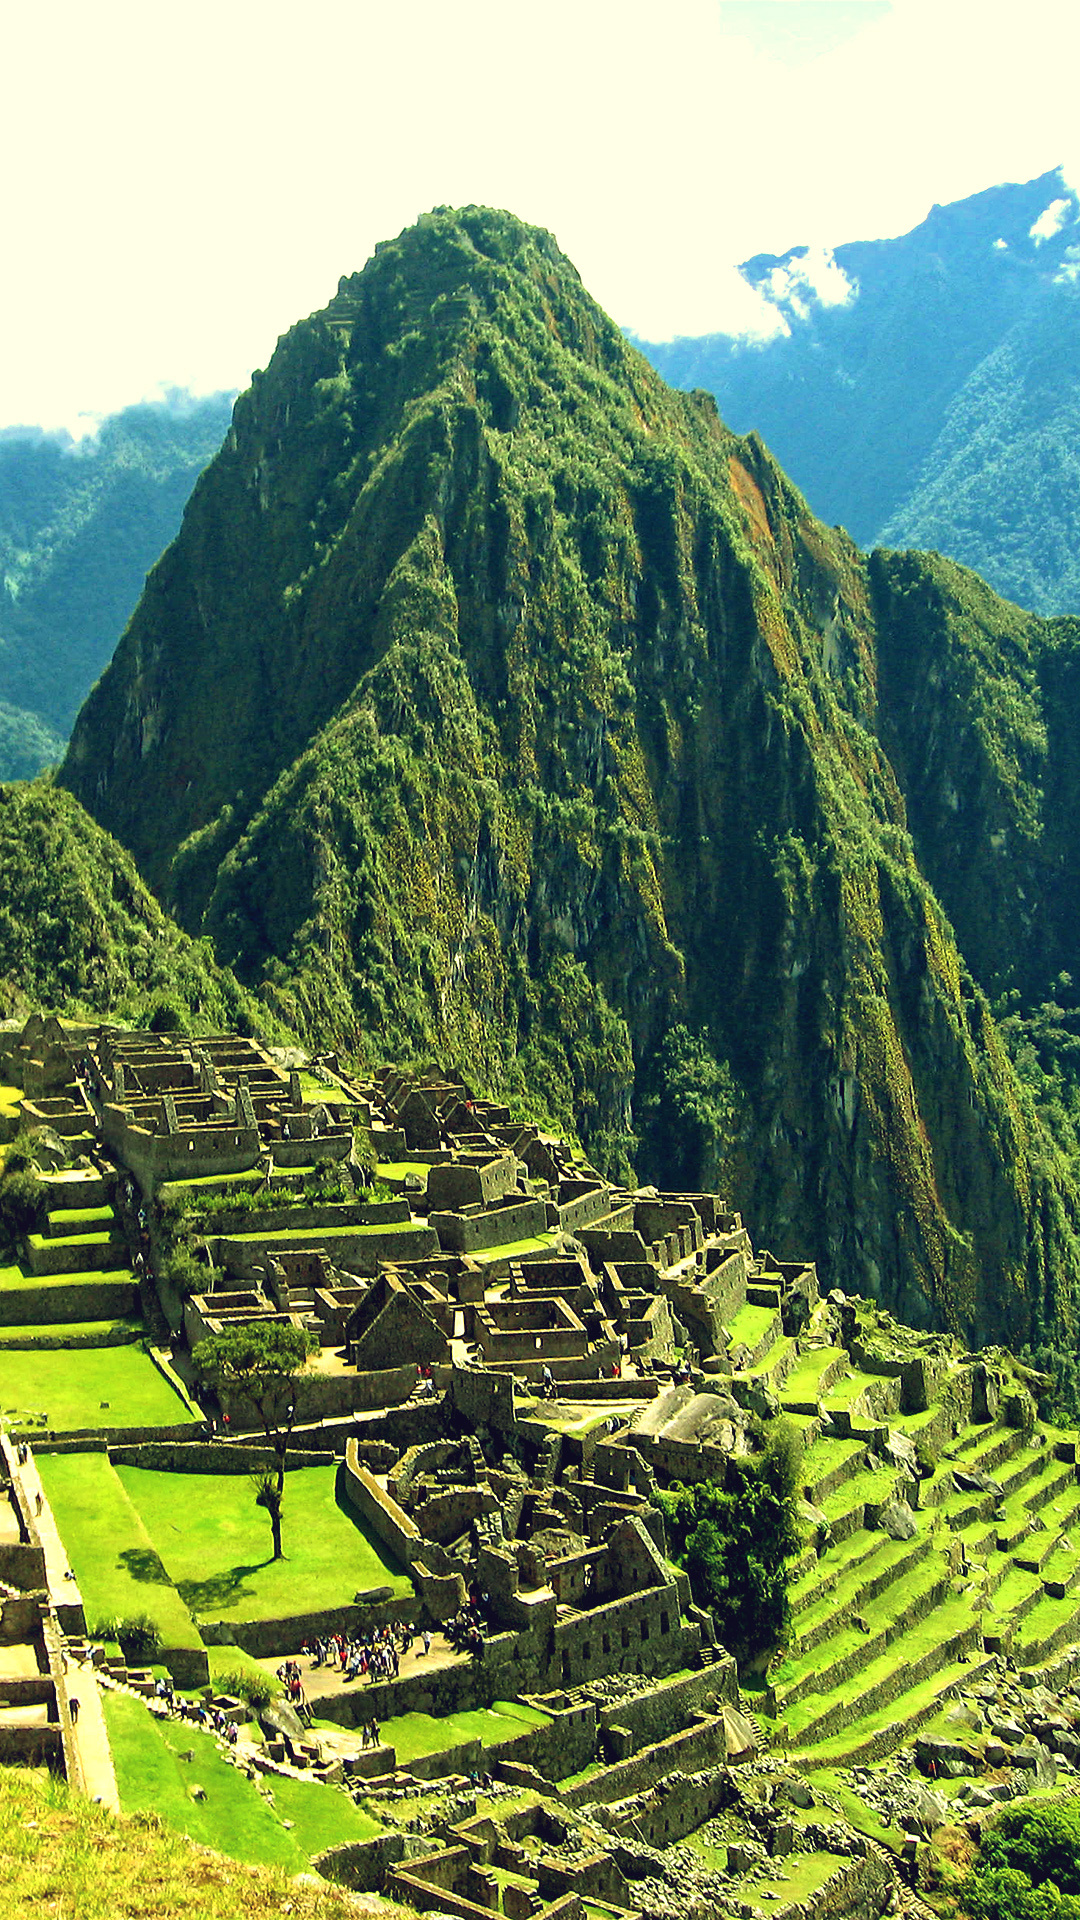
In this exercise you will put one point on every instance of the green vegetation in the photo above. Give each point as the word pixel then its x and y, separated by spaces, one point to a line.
pixel 623 833
pixel 214 1546
pixel 105 1387
pixel 58 1848
pixel 78 928
pixel 412 1734
pixel 114 1560
pixel 735 1542
pixel 260 1367
pixel 1028 1866
pixel 80 527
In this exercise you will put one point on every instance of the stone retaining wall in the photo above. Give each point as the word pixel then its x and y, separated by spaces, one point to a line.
pixel 54 1304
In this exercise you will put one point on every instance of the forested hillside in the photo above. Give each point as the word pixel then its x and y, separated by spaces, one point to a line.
pixel 924 391
pixel 80 527
pixel 497 703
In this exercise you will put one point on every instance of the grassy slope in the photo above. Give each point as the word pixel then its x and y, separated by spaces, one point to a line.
pixel 113 1558
pixel 63 1855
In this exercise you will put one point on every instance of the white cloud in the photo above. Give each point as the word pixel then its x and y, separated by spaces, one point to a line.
pixel 810 278
pixel 1001 246
pixel 1050 221
pixel 183 185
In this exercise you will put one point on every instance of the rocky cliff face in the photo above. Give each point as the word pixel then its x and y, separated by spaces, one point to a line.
pixel 497 701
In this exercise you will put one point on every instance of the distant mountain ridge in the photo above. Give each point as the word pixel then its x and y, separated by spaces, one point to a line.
pixel 937 404
pixel 497 704
pixel 80 527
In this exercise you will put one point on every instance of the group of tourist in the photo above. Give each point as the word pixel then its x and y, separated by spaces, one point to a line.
pixel 289 1675
pixel 199 1712
pixel 373 1655
pixel 465 1631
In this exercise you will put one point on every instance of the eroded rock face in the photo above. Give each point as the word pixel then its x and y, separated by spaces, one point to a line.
pixel 496 702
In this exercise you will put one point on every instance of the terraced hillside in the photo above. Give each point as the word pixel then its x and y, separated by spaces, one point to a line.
pixel 942 1529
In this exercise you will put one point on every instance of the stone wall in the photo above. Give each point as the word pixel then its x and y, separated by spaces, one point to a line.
pixel 22 1565
pixel 692 1749
pixel 266 1639
pixel 467 1232
pixel 358 1250
pixel 325 1396
pixel 52 1305
pixel 389 1521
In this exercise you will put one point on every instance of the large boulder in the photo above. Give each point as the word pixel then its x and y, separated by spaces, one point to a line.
pixel 897 1520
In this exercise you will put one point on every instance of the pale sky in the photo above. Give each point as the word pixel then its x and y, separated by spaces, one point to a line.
pixel 182 182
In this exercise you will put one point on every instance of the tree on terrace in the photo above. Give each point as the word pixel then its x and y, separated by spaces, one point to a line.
pixel 262 1364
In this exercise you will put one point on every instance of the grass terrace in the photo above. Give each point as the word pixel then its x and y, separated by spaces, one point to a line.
pixel 113 1558
pixel 215 1543
pixel 413 1734
pixel 511 1248
pixel 105 1387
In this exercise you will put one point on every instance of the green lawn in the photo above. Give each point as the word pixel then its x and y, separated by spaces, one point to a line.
pixel 111 1554
pixel 18 1280
pixel 75 1219
pixel 401 1169
pixel 513 1247
pixel 152 1778
pixel 215 1543
pixel 412 1734
pixel 96 1387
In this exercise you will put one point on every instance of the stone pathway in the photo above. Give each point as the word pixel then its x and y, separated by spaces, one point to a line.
pixel 91 1736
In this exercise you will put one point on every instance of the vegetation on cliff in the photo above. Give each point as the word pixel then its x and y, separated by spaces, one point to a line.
pixel 496 703
pixel 80 932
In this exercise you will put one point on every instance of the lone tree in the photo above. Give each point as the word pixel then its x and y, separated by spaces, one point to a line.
pixel 262 1364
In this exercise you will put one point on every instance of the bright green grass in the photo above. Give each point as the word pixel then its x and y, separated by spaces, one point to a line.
pixel 511 1248
pixel 215 1543
pixel 234 1818
pixel 804 1381
pixel 413 1734
pixel 39 1240
pixel 321 1816
pixel 19 1280
pixel 401 1169
pixel 332 1233
pixel 70 1390
pixel 803 1875
pixel 314 1091
pixel 858 1815
pixel 750 1325
pixel 113 1559
pixel 75 1333
pixel 846 1391
pixel 11 1099
pixel 76 1218
pixel 877 1485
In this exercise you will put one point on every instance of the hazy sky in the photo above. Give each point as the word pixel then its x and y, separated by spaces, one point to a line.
pixel 182 182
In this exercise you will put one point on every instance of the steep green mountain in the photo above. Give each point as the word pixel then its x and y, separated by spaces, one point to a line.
pixel 925 391
pixel 496 702
pixel 80 525
pixel 79 931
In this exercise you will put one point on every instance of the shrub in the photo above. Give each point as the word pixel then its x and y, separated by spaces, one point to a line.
pixel 257 1689
pixel 23 1204
pixel 140 1639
